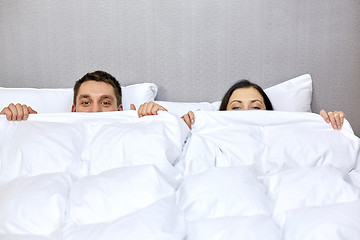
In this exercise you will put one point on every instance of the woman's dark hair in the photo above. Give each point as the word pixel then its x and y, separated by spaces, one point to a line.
pixel 245 84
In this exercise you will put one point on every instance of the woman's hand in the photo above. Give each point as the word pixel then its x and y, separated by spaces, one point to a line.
pixel 336 118
pixel 189 118
pixel 17 112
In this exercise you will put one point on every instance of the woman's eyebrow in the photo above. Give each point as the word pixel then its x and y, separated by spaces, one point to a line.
pixel 257 100
pixel 252 101
pixel 236 101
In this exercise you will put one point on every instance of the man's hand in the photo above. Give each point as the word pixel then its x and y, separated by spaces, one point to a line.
pixel 148 108
pixel 17 112
pixel 335 118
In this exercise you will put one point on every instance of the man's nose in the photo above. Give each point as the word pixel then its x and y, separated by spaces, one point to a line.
pixel 96 108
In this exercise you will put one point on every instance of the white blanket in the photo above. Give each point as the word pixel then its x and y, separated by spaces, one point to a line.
pixel 240 175
pixel 269 175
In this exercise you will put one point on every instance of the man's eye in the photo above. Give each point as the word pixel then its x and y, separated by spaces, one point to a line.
pixel 106 103
pixel 85 103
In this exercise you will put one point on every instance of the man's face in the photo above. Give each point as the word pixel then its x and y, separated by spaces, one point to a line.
pixel 96 96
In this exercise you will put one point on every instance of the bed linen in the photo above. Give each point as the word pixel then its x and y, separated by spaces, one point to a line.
pixel 58 182
pixel 269 175
pixel 236 175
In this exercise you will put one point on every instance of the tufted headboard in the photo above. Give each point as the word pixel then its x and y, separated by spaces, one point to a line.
pixel 192 50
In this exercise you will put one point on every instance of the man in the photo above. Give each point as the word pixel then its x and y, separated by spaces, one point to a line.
pixel 94 92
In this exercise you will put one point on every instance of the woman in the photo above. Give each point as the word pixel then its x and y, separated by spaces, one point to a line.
pixel 245 95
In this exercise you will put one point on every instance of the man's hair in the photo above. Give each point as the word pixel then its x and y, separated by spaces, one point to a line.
pixel 244 84
pixel 99 76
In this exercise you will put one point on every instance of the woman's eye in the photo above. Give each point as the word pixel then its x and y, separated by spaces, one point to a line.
pixel 235 108
pixel 256 108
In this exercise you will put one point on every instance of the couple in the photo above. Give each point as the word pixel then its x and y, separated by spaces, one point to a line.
pixel 100 92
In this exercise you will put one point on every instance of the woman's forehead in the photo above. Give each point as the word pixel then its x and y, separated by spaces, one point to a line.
pixel 246 94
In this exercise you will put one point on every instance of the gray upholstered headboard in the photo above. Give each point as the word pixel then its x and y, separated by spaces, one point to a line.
pixel 193 50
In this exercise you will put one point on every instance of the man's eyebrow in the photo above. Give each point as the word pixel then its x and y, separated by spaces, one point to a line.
pixel 102 96
pixel 107 96
pixel 84 96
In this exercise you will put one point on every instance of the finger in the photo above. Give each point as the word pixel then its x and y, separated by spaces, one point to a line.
pixel 132 107
pixel 20 112
pixel 342 117
pixel 187 120
pixel 339 116
pixel 13 110
pixel 25 111
pixel 192 117
pixel 325 116
pixel 337 120
pixel 142 110
pixel 149 108
pixel 3 112
pixel 155 109
pixel 332 120
pixel 162 108
pixel 7 112
pixel 31 111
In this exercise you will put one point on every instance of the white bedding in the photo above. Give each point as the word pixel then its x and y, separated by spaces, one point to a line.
pixel 239 175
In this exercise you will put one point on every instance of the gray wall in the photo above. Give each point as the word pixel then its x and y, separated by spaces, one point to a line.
pixel 193 50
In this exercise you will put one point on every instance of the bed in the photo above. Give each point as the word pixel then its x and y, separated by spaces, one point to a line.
pixel 283 174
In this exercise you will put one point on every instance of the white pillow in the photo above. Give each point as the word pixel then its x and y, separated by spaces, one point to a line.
pixel 138 94
pixel 59 100
pixel 181 108
pixel 293 95
pixel 42 100
pixel 34 205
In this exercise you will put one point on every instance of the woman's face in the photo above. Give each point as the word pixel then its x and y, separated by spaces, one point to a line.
pixel 246 99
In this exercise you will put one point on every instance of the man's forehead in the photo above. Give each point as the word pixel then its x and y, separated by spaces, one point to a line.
pixel 80 96
pixel 93 88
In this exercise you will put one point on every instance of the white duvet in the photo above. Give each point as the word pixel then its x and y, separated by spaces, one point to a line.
pixel 236 175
